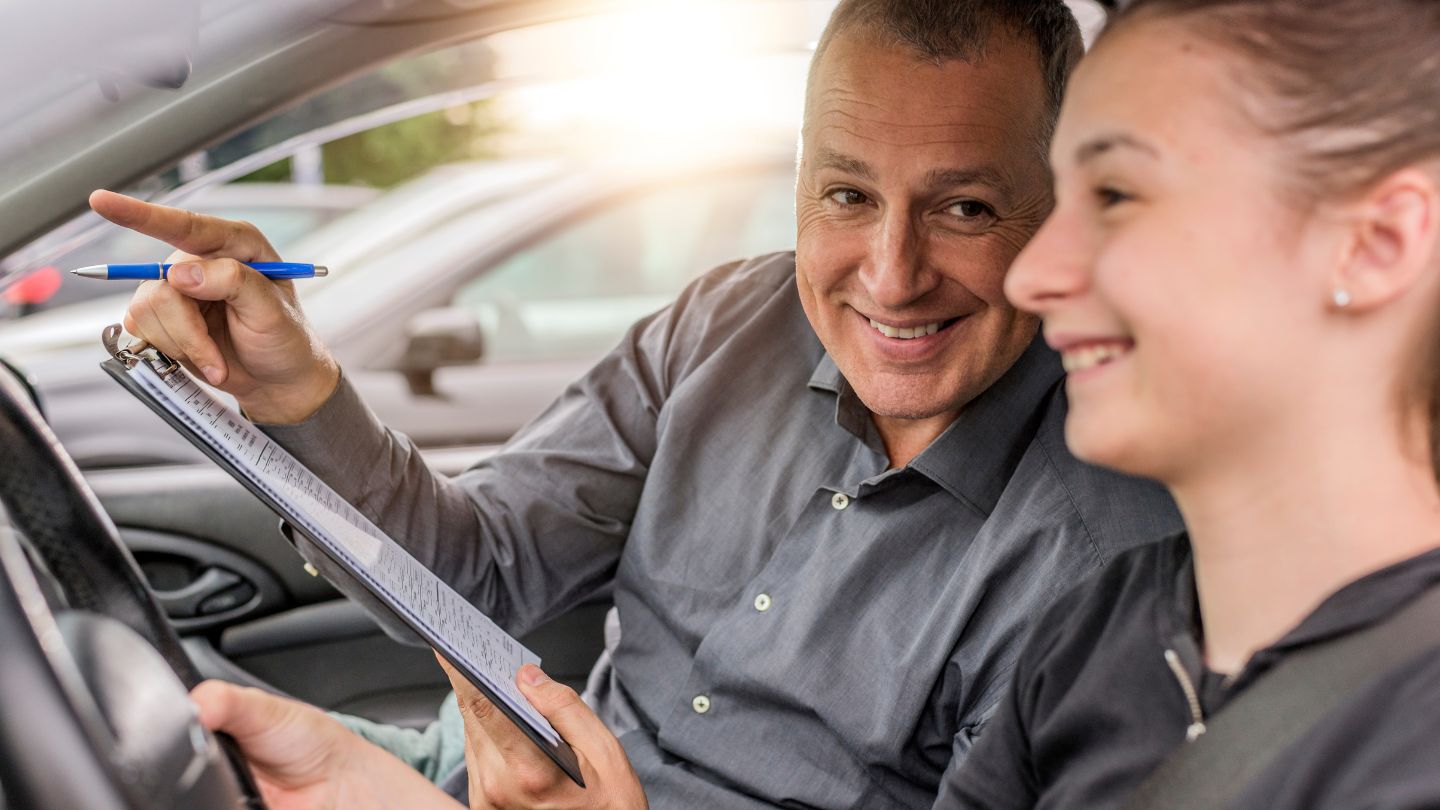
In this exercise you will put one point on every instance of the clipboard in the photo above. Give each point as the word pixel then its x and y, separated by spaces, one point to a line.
pixel 354 550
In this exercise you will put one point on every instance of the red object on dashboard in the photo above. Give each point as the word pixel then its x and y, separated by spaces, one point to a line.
pixel 35 288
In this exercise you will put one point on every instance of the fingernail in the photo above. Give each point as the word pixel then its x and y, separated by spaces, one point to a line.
pixel 533 675
pixel 187 274
pixel 212 374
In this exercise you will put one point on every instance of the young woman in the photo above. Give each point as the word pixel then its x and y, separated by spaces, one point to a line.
pixel 1242 275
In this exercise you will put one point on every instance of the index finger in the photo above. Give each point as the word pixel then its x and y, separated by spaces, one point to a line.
pixel 194 233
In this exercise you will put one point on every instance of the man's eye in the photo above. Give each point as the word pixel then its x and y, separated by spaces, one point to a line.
pixel 971 210
pixel 848 197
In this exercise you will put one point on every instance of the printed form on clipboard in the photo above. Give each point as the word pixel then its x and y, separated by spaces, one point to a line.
pixel 487 655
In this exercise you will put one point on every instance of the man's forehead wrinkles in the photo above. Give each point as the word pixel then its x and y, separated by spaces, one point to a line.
pixel 958 113
pixel 854 119
pixel 976 142
pixel 878 137
pixel 844 95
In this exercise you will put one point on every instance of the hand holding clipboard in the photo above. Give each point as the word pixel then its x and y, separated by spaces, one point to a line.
pixel 485 655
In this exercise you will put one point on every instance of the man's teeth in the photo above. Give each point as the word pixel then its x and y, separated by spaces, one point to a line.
pixel 905 334
pixel 1091 356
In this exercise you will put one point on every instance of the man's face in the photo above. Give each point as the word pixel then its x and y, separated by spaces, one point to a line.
pixel 918 184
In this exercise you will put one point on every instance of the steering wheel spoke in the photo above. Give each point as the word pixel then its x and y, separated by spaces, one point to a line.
pixel 96 711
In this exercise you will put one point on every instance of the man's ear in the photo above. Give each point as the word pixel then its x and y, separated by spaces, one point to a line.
pixel 1392 240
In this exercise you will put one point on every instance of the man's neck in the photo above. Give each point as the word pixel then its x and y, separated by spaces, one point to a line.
pixel 1278 530
pixel 907 438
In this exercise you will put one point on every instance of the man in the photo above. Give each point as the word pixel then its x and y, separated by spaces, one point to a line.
pixel 829 488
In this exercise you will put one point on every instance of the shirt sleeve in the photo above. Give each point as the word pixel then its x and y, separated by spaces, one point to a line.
pixel 533 529
pixel 434 752
pixel 994 774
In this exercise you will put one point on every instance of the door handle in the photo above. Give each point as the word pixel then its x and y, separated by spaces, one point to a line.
pixel 216 590
pixel 200 584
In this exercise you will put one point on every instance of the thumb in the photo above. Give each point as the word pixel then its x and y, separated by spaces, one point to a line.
pixel 286 738
pixel 575 721
pixel 259 302
pixel 238 711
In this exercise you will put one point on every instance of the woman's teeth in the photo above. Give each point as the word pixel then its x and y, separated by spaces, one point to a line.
pixel 905 334
pixel 1090 356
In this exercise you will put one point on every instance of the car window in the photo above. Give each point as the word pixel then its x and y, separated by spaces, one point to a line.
pixel 578 288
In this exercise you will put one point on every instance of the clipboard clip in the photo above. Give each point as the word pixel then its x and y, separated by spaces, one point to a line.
pixel 136 352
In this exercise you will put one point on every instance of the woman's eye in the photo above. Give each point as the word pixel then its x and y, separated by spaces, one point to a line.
pixel 848 197
pixel 1109 197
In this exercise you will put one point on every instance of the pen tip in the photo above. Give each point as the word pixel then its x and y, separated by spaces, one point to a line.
pixel 93 271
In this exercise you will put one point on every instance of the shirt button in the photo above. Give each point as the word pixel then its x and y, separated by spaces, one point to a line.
pixel 762 602
pixel 840 501
pixel 701 704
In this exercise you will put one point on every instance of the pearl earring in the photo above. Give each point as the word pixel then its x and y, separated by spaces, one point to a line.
pixel 1342 298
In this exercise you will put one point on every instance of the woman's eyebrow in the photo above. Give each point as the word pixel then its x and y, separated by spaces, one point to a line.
pixel 1095 147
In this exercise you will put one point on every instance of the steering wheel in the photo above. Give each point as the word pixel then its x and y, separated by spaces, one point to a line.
pixel 95 712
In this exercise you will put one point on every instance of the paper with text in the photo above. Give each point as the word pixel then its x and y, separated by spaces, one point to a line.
pixel 465 633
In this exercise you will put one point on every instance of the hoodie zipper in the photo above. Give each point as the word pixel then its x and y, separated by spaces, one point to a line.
pixel 1197 717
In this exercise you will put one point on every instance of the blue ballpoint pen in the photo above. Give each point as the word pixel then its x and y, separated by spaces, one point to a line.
pixel 151 271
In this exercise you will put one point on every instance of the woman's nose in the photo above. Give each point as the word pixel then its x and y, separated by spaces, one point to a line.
pixel 1053 267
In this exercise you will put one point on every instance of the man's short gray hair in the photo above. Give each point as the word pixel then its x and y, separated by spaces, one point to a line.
pixel 941 30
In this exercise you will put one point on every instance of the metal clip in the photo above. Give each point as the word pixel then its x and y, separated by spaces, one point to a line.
pixel 137 351
pixel 110 336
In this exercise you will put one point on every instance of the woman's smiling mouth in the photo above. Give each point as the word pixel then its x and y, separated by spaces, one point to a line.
pixel 1092 354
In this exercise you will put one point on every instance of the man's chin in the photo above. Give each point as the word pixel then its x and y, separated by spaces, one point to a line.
pixel 919 406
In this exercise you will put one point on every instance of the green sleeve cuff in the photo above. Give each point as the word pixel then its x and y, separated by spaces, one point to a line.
pixel 434 752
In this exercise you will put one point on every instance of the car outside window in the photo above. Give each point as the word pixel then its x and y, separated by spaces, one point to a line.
pixel 581 286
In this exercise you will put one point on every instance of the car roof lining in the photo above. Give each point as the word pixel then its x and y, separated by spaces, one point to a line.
pixel 351 43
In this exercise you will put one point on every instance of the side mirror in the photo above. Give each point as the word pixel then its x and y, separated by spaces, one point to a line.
pixel 436 338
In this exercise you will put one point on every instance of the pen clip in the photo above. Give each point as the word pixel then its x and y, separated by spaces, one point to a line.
pixel 137 351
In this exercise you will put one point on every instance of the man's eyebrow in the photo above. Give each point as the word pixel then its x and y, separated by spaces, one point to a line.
pixel 830 159
pixel 1095 147
pixel 980 176
pixel 937 178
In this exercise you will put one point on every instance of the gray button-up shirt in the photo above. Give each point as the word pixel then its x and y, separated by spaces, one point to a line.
pixel 800 625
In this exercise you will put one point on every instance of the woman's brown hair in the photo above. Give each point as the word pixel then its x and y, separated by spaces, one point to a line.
pixel 1352 89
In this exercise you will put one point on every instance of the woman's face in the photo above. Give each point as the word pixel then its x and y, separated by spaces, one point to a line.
pixel 1171 275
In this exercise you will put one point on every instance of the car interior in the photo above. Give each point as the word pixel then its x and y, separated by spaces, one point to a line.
pixel 123 586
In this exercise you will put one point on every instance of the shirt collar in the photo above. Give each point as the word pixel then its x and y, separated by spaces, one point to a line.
pixel 1356 605
pixel 850 413
pixel 974 458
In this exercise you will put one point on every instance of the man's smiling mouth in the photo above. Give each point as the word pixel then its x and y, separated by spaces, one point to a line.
pixel 910 333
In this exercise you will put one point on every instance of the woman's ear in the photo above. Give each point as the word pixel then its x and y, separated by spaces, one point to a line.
pixel 1391 241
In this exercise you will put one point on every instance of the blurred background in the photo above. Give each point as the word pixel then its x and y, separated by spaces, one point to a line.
pixel 512 201
pixel 499 187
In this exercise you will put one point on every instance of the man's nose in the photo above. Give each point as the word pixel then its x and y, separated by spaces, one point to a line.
pixel 897 273
pixel 1053 267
